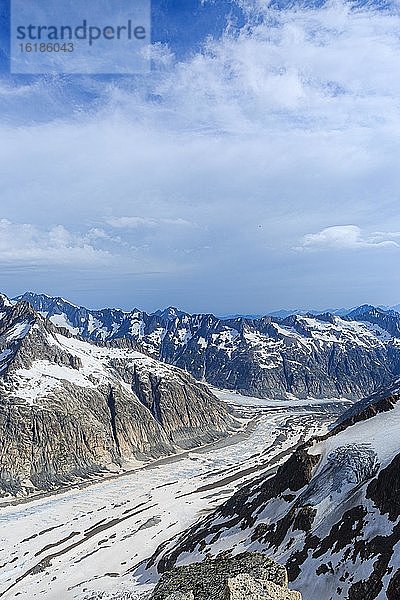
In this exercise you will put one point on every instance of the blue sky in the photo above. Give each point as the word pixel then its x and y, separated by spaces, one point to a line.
pixel 256 167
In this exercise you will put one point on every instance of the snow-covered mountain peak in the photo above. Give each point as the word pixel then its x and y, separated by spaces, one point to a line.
pixel 4 301
pixel 170 313
pixel 16 322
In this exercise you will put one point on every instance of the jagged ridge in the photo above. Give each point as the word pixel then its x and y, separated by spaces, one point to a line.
pixel 304 355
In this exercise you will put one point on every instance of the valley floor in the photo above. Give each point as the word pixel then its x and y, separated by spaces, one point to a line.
pixel 90 539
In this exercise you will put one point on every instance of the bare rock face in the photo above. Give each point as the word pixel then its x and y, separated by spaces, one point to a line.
pixel 180 596
pixel 70 409
pixel 247 576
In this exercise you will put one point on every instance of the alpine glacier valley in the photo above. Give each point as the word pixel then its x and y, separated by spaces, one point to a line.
pixel 175 456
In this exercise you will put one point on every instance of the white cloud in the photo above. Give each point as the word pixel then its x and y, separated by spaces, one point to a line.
pixel 388 235
pixel 27 244
pixel 24 244
pixel 347 237
pixel 219 163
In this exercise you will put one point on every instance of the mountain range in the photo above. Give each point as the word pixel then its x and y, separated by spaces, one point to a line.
pixel 87 393
pixel 282 313
pixel 71 409
pixel 321 355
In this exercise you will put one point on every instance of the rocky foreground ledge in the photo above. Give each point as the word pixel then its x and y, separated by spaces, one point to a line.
pixel 247 576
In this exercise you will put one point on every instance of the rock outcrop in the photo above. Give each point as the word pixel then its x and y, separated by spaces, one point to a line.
pixel 245 587
pixel 247 576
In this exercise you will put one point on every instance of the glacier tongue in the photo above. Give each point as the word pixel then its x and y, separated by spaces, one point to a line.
pixel 84 542
pixel 331 512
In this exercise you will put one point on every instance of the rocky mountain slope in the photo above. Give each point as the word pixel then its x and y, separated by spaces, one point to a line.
pixel 330 513
pixel 71 409
pixel 302 355
pixel 389 320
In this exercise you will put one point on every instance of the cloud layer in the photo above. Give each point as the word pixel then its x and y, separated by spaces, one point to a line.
pixel 26 244
pixel 348 237
pixel 195 185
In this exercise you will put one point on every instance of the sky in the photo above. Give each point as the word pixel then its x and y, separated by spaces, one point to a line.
pixel 255 167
